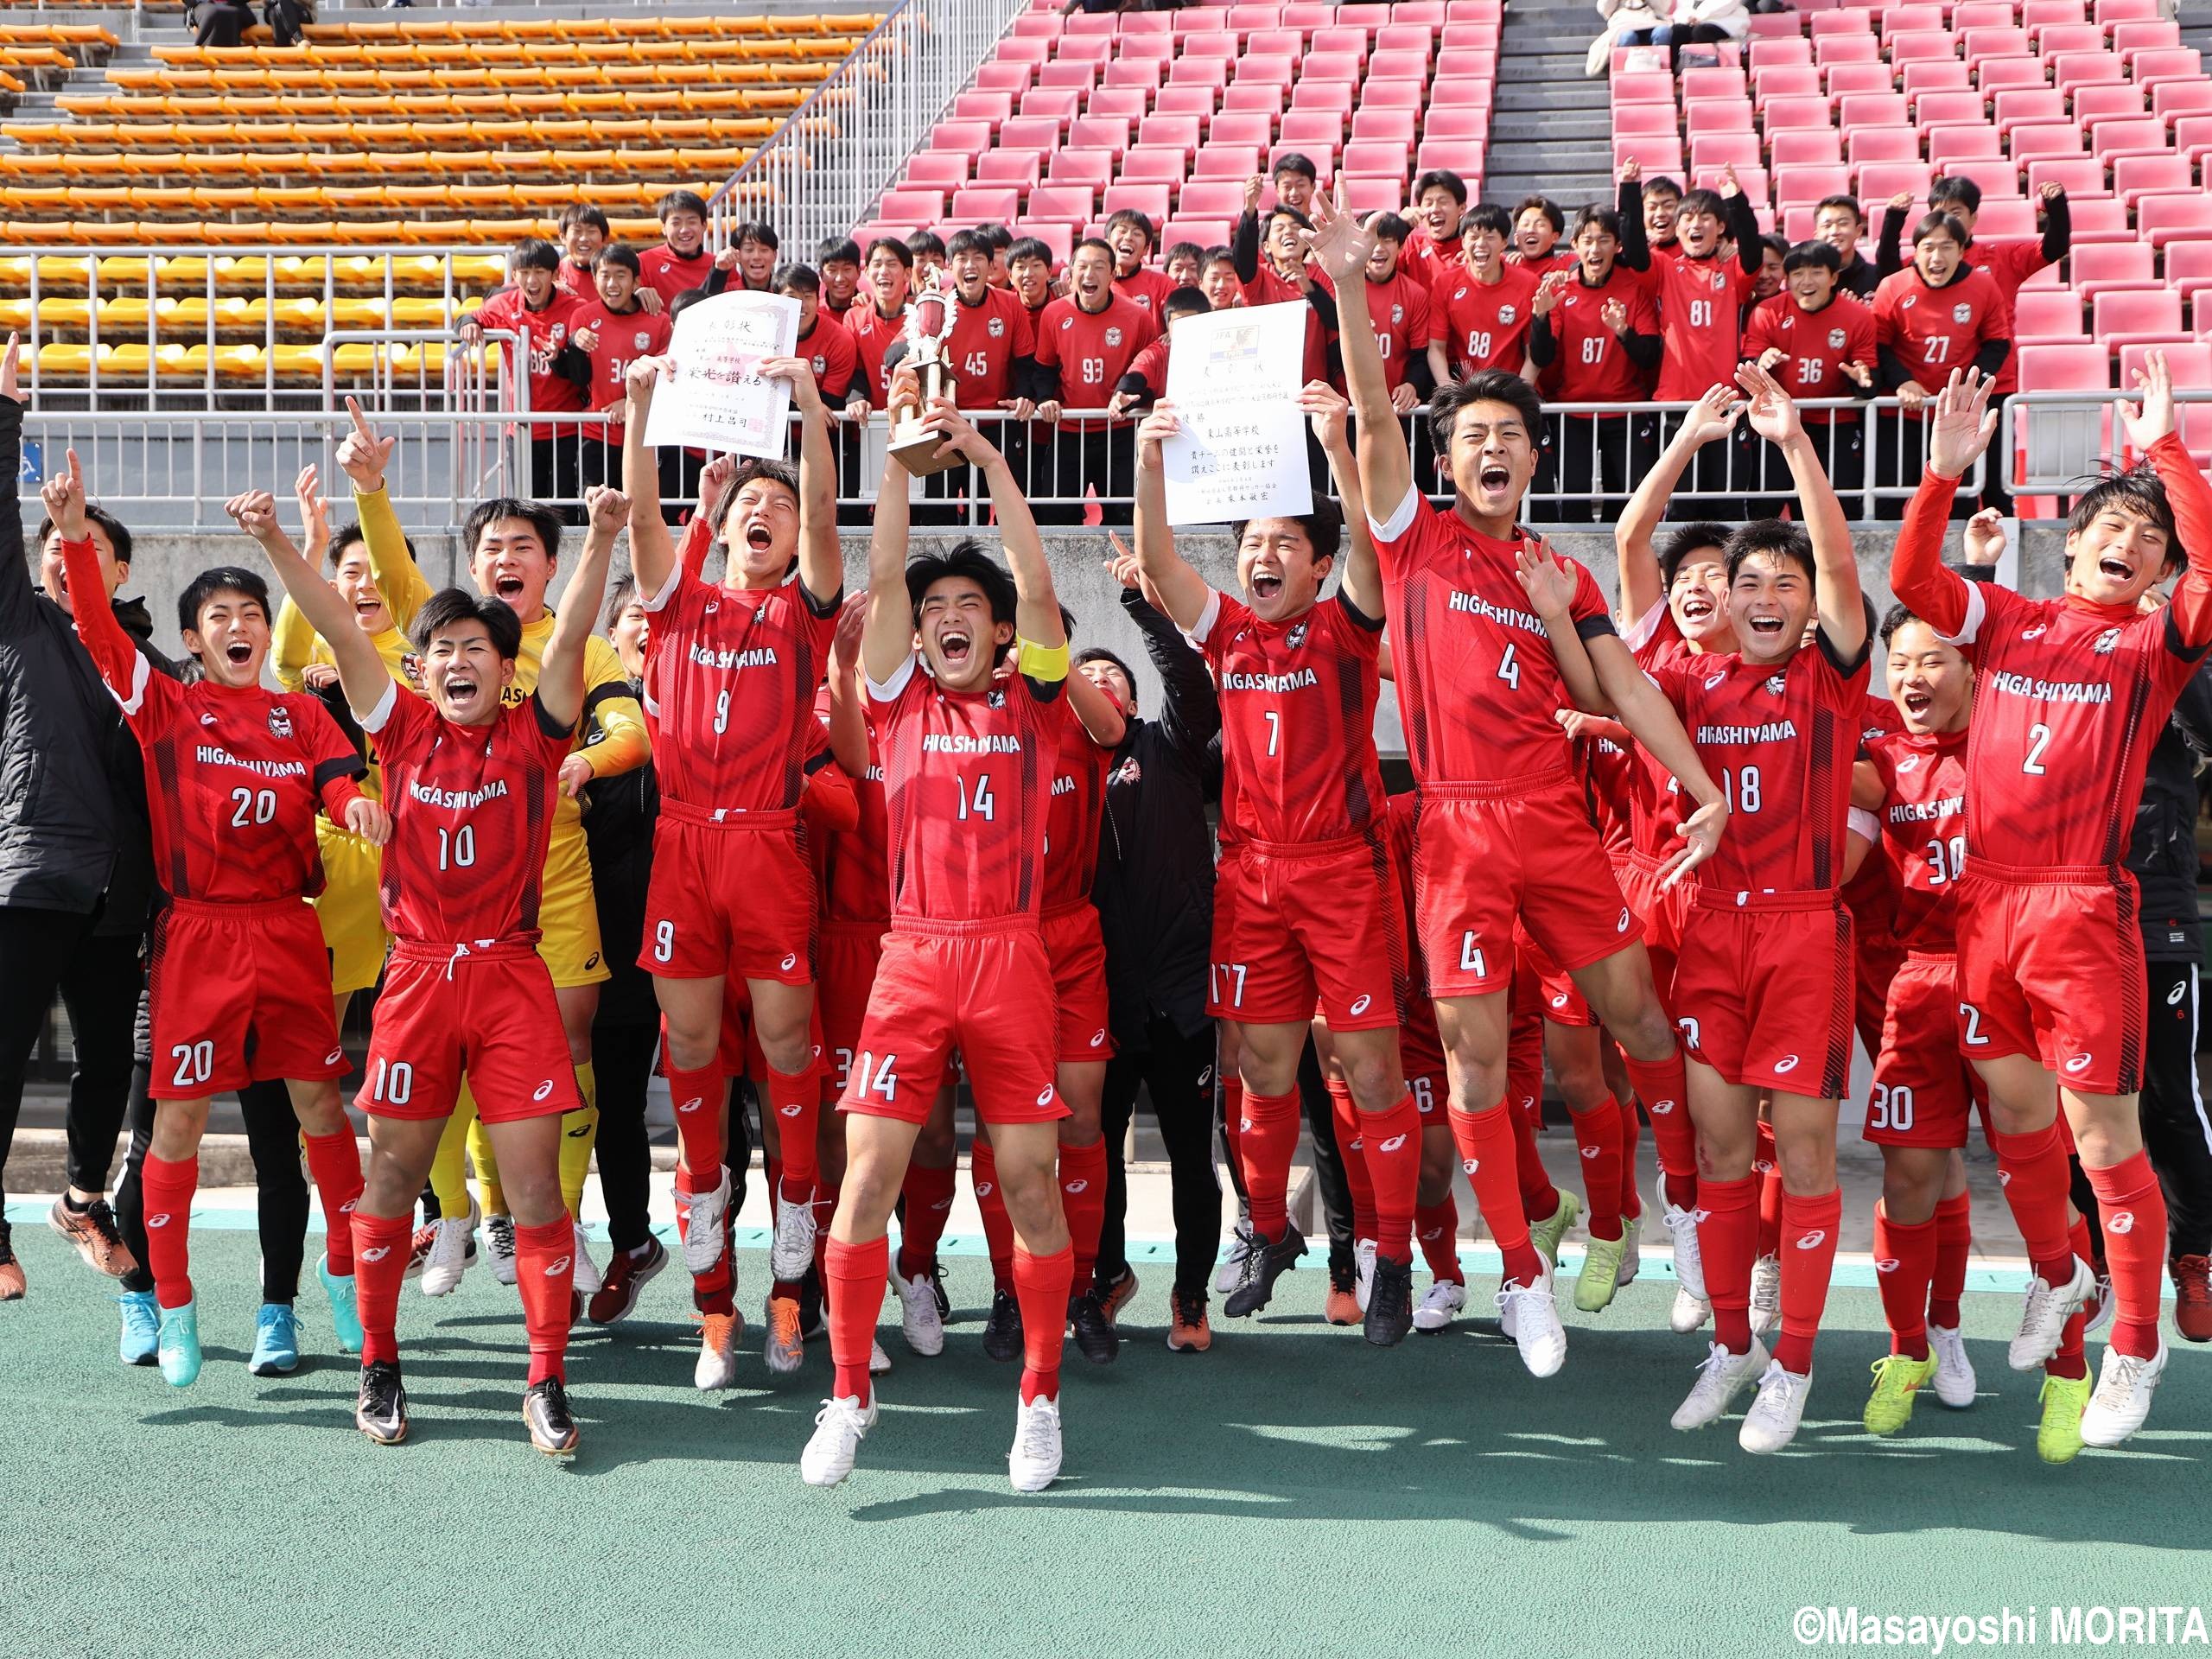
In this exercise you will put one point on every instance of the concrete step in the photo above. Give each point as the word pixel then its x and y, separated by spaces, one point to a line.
pixel 1566 126
pixel 1535 97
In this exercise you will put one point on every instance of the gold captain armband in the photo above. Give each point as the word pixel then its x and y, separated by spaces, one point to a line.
pixel 1036 662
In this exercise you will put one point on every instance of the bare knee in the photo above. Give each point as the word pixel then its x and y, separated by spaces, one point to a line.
pixel 1374 1080
pixel 178 1125
pixel 317 1105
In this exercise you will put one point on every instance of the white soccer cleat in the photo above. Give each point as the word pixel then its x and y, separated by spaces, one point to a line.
pixel 1766 1293
pixel 1719 1377
pixel 499 1244
pixel 792 1251
pixel 839 1428
pixel 918 1316
pixel 453 1249
pixel 1772 1423
pixel 1690 1264
pixel 1530 1314
pixel 1632 1250
pixel 587 1276
pixel 717 1363
pixel 1440 1305
pixel 2043 1312
pixel 2099 1307
pixel 1954 1378
pixel 1034 1462
pixel 878 1361
pixel 1363 1266
pixel 1231 1273
pixel 702 1225
pixel 2122 1401
pixel 1688 1312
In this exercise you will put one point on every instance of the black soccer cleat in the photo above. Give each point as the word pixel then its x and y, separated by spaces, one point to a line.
pixel 381 1411
pixel 944 1301
pixel 1270 1259
pixel 1389 1302
pixel 1002 1330
pixel 545 1409
pixel 1095 1336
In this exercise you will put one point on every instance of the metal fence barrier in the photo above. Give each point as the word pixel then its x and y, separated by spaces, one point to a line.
pixel 2059 442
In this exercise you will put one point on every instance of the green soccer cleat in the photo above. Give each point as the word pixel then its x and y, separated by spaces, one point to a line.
pixel 1899 1379
pixel 345 1318
pixel 180 1346
pixel 1545 1234
pixel 2058 1437
pixel 1601 1271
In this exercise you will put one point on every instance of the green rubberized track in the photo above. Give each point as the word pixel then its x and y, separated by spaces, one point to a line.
pixel 1291 1491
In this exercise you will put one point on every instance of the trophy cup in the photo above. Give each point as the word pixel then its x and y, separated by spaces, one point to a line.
pixel 929 325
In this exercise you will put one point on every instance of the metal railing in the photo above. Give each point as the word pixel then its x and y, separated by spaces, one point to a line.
pixel 821 172
pixel 2059 442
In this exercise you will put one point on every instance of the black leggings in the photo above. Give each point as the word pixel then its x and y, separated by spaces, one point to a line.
pixel 622 1056
pixel 98 978
pixel 1177 1073
pixel 2176 1131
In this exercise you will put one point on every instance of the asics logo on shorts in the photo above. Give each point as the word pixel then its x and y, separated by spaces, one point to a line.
pixel 942 1204
pixel 2078 1065
pixel 1393 1143
pixel 1359 1004
pixel 2174 996
pixel 2120 1221
pixel 544 1092
pixel 1205 1076
pixel 1071 1188
pixel 161 1220
pixel 1814 1240
pixel 984 1189
pixel 1358 1144
pixel 1559 1002
pixel 693 1104
pixel 1787 1063
pixel 1098 1038
pixel 558 1267
pixel 790 962
pixel 1621 926
pixel 1887 1264
pixel 338 1054
pixel 374 1253
pixel 2004 1177
pixel 1762 1166
pixel 789 1111
pixel 1045 1098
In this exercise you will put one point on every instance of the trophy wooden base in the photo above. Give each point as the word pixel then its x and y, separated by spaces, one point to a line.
pixel 916 450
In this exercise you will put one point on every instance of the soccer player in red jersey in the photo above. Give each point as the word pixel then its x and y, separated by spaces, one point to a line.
pixel 2071 694
pixel 1401 309
pixel 1310 916
pixel 612 327
pixel 1145 382
pixel 1538 228
pixel 681 262
pixel 1654 206
pixel 822 340
pixel 837 259
pixel 1818 342
pixel 1937 315
pixel 1762 990
pixel 1593 335
pixel 1129 233
pixel 239 982
pixel 1218 280
pixel 2008 264
pixel 1479 305
pixel 1440 204
pixel 583 231
pixel 992 347
pixel 1700 297
pixel 733 670
pixel 558 375
pixel 968 761
pixel 1503 832
pixel 472 781
pixel 877 320
pixel 1273 270
pixel 1085 344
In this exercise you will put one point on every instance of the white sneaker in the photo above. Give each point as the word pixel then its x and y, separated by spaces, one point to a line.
pixel 1231 1273
pixel 1440 1307
pixel 453 1249
pixel 1034 1462
pixel 839 1428
pixel 2122 1401
pixel 1954 1378
pixel 878 1361
pixel 792 1251
pixel 1529 1315
pixel 1766 1293
pixel 1717 1380
pixel 702 1225
pixel 2043 1312
pixel 1688 1312
pixel 499 1243
pixel 1772 1423
pixel 1632 1253
pixel 1363 1266
pixel 1690 1264
pixel 918 1316
pixel 587 1276
pixel 717 1363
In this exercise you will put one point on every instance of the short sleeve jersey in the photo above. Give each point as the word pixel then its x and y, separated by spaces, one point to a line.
pixel 668 273
pixel 1298 700
pixel 1700 318
pixel 549 332
pixel 2008 264
pixel 986 339
pixel 1484 326
pixel 1071 824
pixel 1590 364
pixel 472 816
pixel 1478 687
pixel 1655 799
pixel 874 334
pixel 1815 345
pixel 731 680
pixel 829 351
pixel 618 337
pixel 1145 288
pixel 1780 740
pixel 1091 351
pixel 1923 816
pixel 859 887
pixel 967 776
pixel 1402 312
pixel 1435 269
pixel 1934 330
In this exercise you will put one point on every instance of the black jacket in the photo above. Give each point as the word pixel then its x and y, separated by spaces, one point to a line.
pixel 620 813
pixel 74 835
pixel 1154 886
pixel 2164 852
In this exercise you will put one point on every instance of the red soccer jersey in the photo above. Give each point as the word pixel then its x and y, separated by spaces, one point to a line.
pixel 1484 326
pixel 1071 822
pixel 1923 814
pixel 987 337
pixel 1781 741
pixel 1701 317
pixel 1151 367
pixel 1815 345
pixel 731 674
pixel 968 778
pixel 1934 330
pixel 549 332
pixel 1267 289
pixel 1403 323
pixel 1655 799
pixel 828 348
pixel 1589 363
pixel 472 814
pixel 1091 352
pixel 579 280
pixel 668 273
pixel 1297 718
pixel 2008 264
pixel 859 887
pixel 1478 688
pixel 1146 289
pixel 1609 782
pixel 1434 268
pixel 874 334
pixel 618 338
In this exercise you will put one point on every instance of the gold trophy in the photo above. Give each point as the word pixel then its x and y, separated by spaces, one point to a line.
pixel 929 325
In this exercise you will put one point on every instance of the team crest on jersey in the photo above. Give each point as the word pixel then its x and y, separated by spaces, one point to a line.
pixel 642 341
pixel 996 700
pixel 280 720
pixel 410 665
pixel 1962 313
pixel 1397 313
pixel 1777 684
pixel 1505 314
pixel 1720 281
pixel 2106 643
pixel 995 328
pixel 1113 337
pixel 1128 772
pixel 1296 637
pixel 1836 339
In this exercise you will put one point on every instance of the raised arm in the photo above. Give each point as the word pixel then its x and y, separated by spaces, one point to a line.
pixel 560 670
pixel 1960 426
pixel 1183 593
pixel 821 561
pixel 847 722
pixel 364 456
pixel 887 638
pixel 1190 705
pixel 652 556
pixel 18 602
pixel 1103 723
pixel 1550 588
pixel 1342 247
pixel 1712 416
pixel 2150 421
pixel 110 648
pixel 1774 416
pixel 361 671
pixel 1328 410
pixel 1652 719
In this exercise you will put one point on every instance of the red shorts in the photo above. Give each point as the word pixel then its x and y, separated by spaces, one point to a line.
pixel 734 898
pixel 1562 1003
pixel 1294 927
pixel 1484 857
pixel 845 959
pixel 2050 963
pixel 1923 1084
pixel 1076 950
pixel 982 987
pixel 488 1011
pixel 1879 959
pixel 240 993
pixel 1763 994
pixel 1420 1057
pixel 1665 915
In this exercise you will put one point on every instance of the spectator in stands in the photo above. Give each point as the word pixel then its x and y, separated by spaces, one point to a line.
pixel 558 372
pixel 1439 202
pixel 1085 344
pixel 1000 239
pixel 1839 222
pixel 681 261
pixel 1538 224
pixel 1295 179
pixel 223 23
pixel 1182 263
pixel 1029 272
pixel 1219 281
pixel 1595 335
pixel 1692 23
pixel 1773 250
pixel 1937 315
pixel 1129 233
pixel 837 261
pixel 878 321
pixel 1627 24
pixel 756 242
pixel 287 21
pixel 1818 342
pixel 612 326
pixel 928 249
pixel 1480 318
pixel 1145 383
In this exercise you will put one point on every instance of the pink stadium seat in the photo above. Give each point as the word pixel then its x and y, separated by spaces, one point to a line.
pixel 1274 42
pixel 1146 49
pixel 2046 316
pixel 1864 144
pixel 1949 109
pixel 1150 199
pixel 1188 99
pixel 1130 103
pixel 2093 104
pixel 2164 219
pixel 2174 98
pixel 1809 148
pixel 1166 165
pixel 1899 19
pixel 1657 152
pixel 1845 48
pixel 1059 200
pixel 1809 184
pixel 2131 317
pixel 1089 23
pixel 2190 362
pixel 1237 161
pixel 1711 151
pixel 1640 120
pixel 1983 14
pixel 2033 140
pixel 1373 196
pixel 968 137
pixel 1455 123
pixel 937 169
pixel 985 204
pixel 1777 26
pixel 1214 197
pixel 2034 14
pixel 1784 114
pixel 2193 136
pixel 1099 132
pixel 1261 98
pixel 912 204
pixel 1214 43
pixel 1907 49
pixel 1057 105
pixel 982 107
pixel 1169 132
pixel 2174 64
pixel 1934 75
pixel 2065 368
pixel 1852 22
pixel 1138 25
pixel 1997 74
pixel 1458 94
pixel 1053 233
pixel 1021 168
pixel 2125 11
pixel 2001 42
pixel 1341 95
pixel 1783 51
pixel 1334 42
pixel 1000 76
pixel 1789 81
pixel 1254 127
pixel 2069 37
pixel 1374 124
pixel 2071 69
pixel 1398 65
pixel 2188 272
pixel 1877 180
pixel 1132 75
pixel 1199 72
pixel 2079 177
pixel 1308 17
pixel 1373 158
pixel 2128 39
pixel 1278 71
pixel 1699 84
pixel 1858 78
pixel 2142 134
pixel 1467 60
pixel 2007 218
pixel 1949 144
pixel 1403 35
pixel 1239 17
pixel 1996 175
pixel 1643 89
pixel 1094 168
pixel 1069 75
pixel 2103 266
pixel 1040 133
pixel 2023 104
pixel 1462 155
pixel 1332 65
pixel 1872 109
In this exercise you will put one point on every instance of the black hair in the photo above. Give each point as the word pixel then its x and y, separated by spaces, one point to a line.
pixel 1136 221
pixel 1774 242
pixel 968 559
pixel 1897 617
pixel 1547 207
pixel 1029 247
pixel 754 230
pixel 1850 204
pixel 1804 254
pixel 539 517
pixel 1777 537
pixel 1662 186
pixel 968 242
pixel 1215 256
pixel 893 245
pixel 223 579
pixel 582 213
pixel 1324 526
pixel 1190 250
pixel 999 238
pixel 1485 386
pixel 118 536
pixel 1389 227
pixel 837 249
pixel 1100 654
pixel 620 593
pixel 1954 187
pixel 794 274
pixel 1596 217
pixel 1185 302
pixel 1488 217
pixel 1938 224
pixel 1444 179
pixel 1097 242
pixel 1702 201
pixel 1295 165
pixel 450 606
pixel 1290 213
pixel 685 301
pixel 679 201
pixel 925 242
pixel 2136 490
pixel 615 254
pixel 1067 622
pixel 1686 540
pixel 534 253
pixel 751 468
